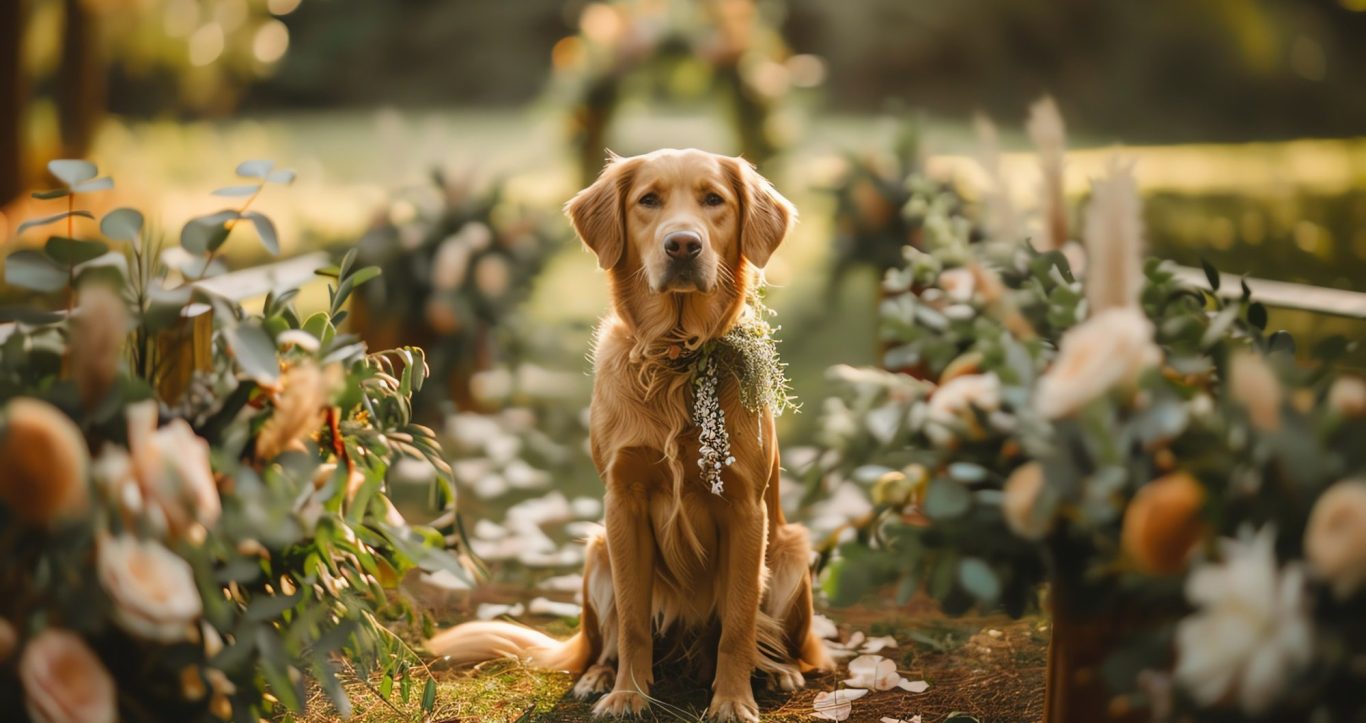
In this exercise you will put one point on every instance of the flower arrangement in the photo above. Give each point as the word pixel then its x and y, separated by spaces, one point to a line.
pixel 1190 490
pixel 727 46
pixel 460 261
pixel 208 557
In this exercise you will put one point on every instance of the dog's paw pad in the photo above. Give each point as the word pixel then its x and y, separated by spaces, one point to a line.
pixel 786 679
pixel 597 679
pixel 733 710
pixel 621 703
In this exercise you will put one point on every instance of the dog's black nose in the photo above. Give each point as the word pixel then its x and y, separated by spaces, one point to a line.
pixel 683 244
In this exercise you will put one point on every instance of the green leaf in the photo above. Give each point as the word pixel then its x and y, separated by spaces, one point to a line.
pixel 1256 315
pixel 45 220
pixel 49 195
pixel 97 184
pixel 123 224
pixel 237 191
pixel 978 578
pixel 1282 342
pixel 72 172
pixel 363 275
pixel 284 176
pixel 254 351
pixel 1327 349
pixel 255 169
pixel 1211 274
pixel 429 696
pixel 946 499
pixel 266 230
pixel 70 251
pixel 207 233
pixel 33 270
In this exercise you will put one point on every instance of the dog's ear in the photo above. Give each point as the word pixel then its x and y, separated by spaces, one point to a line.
pixel 597 212
pixel 765 216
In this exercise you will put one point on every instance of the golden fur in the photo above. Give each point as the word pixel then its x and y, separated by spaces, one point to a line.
pixel 723 580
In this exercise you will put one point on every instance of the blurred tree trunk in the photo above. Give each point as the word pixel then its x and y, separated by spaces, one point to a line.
pixel 13 100
pixel 80 80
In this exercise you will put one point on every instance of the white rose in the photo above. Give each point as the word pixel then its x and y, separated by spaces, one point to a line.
pixel 1110 349
pixel 64 682
pixel 1335 538
pixel 1250 633
pixel 153 589
pixel 950 406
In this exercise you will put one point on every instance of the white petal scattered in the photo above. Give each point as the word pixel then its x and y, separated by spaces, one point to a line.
pixel 878 673
pixel 824 627
pixel 912 719
pixel 545 606
pixel 489 611
pixel 878 644
pixel 914 686
pixel 562 583
pixel 836 705
pixel 586 508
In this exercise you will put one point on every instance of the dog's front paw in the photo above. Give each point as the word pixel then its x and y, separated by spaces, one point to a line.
pixel 622 703
pixel 786 678
pixel 597 679
pixel 733 709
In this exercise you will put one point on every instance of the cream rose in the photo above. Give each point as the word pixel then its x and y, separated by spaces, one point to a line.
pixel 171 465
pixel 1335 539
pixel 153 589
pixel 950 406
pixel 1254 384
pixel 958 284
pixel 64 682
pixel 1347 396
pixel 1109 350
pixel 1021 495
pixel 44 460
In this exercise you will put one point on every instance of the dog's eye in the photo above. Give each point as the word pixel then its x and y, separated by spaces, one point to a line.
pixel 713 199
pixel 650 200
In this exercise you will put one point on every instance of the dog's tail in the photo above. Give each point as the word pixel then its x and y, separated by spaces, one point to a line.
pixel 480 641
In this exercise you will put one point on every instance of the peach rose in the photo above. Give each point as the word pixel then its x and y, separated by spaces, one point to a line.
pixel 1162 523
pixel 958 284
pixel 98 328
pixel 45 462
pixel 1021 494
pixel 1107 351
pixel 153 589
pixel 1335 539
pixel 171 465
pixel 1254 384
pixel 64 682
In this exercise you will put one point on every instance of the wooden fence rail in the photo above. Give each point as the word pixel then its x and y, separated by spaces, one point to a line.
pixel 1284 294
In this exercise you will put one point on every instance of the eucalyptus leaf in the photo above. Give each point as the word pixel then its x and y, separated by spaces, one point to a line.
pixel 70 251
pixel 72 171
pixel 207 233
pixel 254 351
pixel 978 578
pixel 283 176
pixel 49 195
pixel 266 230
pixel 95 184
pixel 946 499
pixel 123 224
pixel 255 169
pixel 237 191
pixel 45 220
pixel 1211 274
pixel 33 270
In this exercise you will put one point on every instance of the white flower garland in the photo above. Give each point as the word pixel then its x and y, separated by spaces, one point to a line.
pixel 752 352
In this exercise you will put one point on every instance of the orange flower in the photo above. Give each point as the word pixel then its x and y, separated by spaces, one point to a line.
pixel 1162 523
pixel 45 462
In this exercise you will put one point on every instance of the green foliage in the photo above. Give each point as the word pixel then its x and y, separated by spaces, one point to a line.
pixel 267 479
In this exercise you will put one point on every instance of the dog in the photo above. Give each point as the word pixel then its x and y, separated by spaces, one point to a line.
pixel 720 577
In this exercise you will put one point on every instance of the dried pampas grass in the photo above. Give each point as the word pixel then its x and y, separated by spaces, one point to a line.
pixel 1046 130
pixel 1114 240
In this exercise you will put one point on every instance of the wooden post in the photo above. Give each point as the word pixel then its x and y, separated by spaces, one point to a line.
pixel 13 101
pixel 184 349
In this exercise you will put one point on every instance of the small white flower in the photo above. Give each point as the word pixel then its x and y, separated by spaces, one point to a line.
pixel 836 705
pixel 1251 631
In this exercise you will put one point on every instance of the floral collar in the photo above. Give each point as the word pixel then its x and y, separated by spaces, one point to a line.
pixel 749 354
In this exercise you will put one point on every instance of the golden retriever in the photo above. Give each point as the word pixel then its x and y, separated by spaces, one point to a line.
pixel 722 579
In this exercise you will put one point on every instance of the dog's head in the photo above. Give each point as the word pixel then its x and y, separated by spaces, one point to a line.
pixel 685 220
